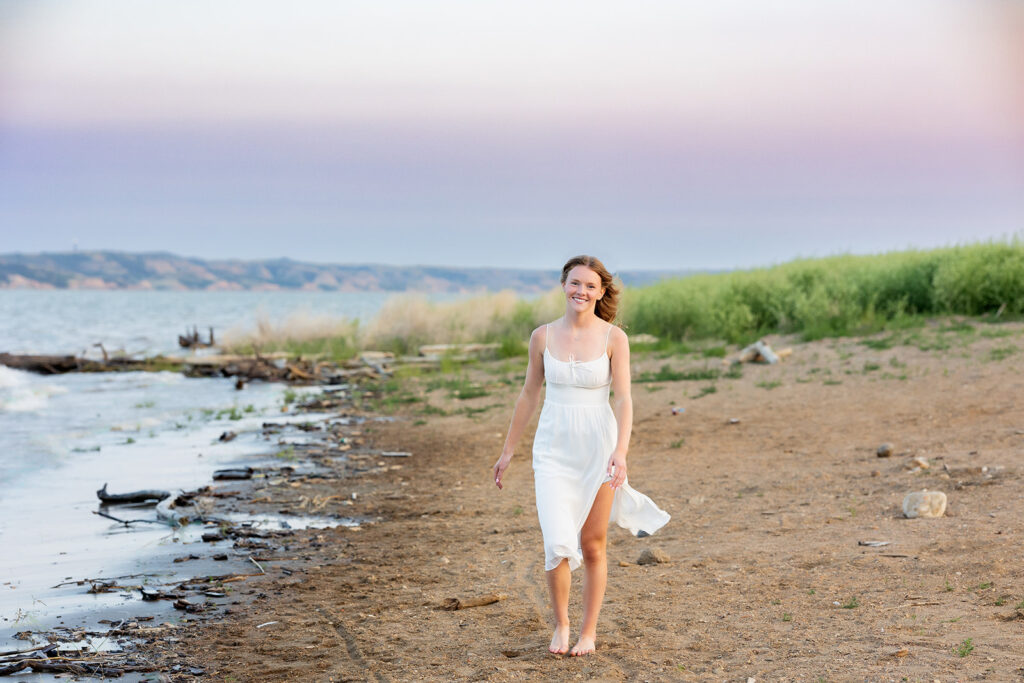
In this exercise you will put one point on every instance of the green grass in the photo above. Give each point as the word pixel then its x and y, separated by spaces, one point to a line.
pixel 667 374
pixel 735 372
pixel 852 603
pixel 1002 352
pixel 965 648
pixel 677 444
pixel 770 385
pixel 704 391
pixel 836 296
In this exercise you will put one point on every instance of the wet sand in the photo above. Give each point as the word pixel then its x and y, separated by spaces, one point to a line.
pixel 772 480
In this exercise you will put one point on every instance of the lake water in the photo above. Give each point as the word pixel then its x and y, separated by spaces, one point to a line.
pixel 63 436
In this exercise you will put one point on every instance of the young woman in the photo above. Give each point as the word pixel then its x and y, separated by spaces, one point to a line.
pixel 579 451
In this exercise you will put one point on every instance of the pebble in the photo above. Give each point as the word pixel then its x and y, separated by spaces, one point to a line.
pixel 920 462
pixel 885 450
pixel 652 556
pixel 924 504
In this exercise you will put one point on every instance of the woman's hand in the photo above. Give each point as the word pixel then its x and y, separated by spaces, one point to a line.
pixel 500 467
pixel 617 469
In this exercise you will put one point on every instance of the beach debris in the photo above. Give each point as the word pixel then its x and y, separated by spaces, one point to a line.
pixel 884 451
pixel 653 556
pixel 677 410
pixel 126 522
pixel 152 495
pixel 696 500
pixel 167 509
pixel 395 454
pixel 227 436
pixel 233 473
pixel 191 340
pixel 924 504
pixel 760 352
pixel 874 544
pixel 56 365
pixel 734 421
pixel 266 623
pixel 452 604
pixel 183 604
pixel 918 463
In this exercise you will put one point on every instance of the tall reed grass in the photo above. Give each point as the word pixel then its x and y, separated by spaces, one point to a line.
pixel 833 296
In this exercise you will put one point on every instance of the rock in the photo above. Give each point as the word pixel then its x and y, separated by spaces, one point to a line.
pixel 924 504
pixel 919 463
pixel 884 451
pixel 652 556
pixel 696 500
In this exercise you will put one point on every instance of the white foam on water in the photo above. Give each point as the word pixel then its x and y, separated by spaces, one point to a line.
pixel 9 377
pixel 20 392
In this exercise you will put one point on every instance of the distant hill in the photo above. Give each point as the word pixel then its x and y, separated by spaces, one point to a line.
pixel 166 271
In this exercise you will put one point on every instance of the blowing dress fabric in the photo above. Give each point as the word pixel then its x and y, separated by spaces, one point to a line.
pixel 576 436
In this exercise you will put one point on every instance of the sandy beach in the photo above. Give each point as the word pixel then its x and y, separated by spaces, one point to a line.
pixel 772 480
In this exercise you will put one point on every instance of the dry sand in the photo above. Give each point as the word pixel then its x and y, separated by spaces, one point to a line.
pixel 766 578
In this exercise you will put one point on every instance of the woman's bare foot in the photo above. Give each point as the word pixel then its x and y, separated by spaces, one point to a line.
pixel 560 640
pixel 584 646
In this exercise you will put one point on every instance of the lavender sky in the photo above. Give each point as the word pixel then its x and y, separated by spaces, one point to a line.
pixel 658 135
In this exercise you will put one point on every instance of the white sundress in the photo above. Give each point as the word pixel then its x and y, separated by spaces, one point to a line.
pixel 576 436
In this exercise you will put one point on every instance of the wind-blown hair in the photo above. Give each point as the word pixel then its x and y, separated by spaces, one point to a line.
pixel 608 305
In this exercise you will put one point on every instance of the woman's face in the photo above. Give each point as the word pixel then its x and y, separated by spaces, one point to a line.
pixel 582 289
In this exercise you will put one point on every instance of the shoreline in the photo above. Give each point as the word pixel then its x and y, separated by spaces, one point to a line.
pixel 772 479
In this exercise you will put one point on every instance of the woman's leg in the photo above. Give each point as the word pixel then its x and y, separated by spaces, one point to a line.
pixel 593 540
pixel 559 580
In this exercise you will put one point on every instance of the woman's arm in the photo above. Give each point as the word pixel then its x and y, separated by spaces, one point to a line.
pixel 526 403
pixel 622 405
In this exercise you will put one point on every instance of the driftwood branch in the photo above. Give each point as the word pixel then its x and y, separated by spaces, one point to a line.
pixel 452 604
pixel 126 522
pixel 153 495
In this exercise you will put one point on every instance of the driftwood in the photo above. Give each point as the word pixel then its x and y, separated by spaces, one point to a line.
pixel 452 604
pixel 31 651
pixel 153 495
pixel 191 339
pixel 233 473
pixel 81 667
pixel 126 522
pixel 56 365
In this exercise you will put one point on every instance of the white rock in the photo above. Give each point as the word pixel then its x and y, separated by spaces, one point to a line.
pixel 924 504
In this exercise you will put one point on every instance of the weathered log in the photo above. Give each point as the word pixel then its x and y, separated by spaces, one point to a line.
pixel 233 473
pixel 153 495
pixel 452 604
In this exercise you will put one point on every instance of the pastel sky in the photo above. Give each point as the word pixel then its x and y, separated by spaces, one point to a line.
pixel 654 134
